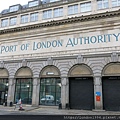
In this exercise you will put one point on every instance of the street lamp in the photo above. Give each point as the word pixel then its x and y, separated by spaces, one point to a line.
pixel 28 86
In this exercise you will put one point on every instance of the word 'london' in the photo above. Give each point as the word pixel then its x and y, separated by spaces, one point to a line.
pixel 71 42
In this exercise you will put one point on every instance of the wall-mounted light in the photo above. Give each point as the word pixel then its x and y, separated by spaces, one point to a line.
pixel 6 84
pixel 28 86
pixel 59 84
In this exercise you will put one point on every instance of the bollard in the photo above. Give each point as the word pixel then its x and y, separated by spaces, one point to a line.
pixel 5 103
pixel 67 106
pixel 11 104
pixel 60 106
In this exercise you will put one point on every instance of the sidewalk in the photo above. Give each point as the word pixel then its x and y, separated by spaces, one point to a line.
pixel 25 107
pixel 53 110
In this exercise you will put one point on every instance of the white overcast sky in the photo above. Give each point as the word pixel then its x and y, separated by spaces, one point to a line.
pixel 4 4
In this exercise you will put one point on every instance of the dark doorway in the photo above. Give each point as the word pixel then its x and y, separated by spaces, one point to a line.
pixel 3 90
pixel 3 97
pixel 81 95
pixel 111 93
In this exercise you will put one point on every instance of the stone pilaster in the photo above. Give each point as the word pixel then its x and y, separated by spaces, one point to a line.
pixel 98 93
pixel 64 91
pixel 35 94
pixel 11 90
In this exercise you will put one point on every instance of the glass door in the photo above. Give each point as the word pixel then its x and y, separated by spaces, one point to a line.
pixel 24 90
pixel 50 91
pixel 3 90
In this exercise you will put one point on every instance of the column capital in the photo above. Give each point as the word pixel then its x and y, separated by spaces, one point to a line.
pixel 11 77
pixel 36 81
pixel 64 81
pixel 64 77
pixel 97 80
pixel 11 81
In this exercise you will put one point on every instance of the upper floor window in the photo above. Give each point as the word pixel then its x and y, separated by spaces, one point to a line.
pixel 4 23
pixel 85 7
pixel 14 8
pixel 58 12
pixel 101 4
pixel 47 14
pixel 73 9
pixel 34 17
pixel 13 21
pixel 54 0
pixel 33 3
pixel 115 3
pixel 24 18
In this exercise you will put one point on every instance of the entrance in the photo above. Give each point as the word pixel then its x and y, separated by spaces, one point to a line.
pixel 81 88
pixel 3 90
pixel 3 97
pixel 23 90
pixel 50 86
pixel 111 87
pixel 24 85
pixel 81 93
pixel 111 90
pixel 50 91
pixel 3 85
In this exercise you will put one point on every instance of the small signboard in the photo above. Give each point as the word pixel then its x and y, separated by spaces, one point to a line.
pixel 98 94
pixel 97 98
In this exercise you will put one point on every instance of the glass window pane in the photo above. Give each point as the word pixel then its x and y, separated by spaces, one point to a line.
pixel 73 9
pixel 47 14
pixel 115 3
pixel 33 3
pixel 14 8
pixel 48 90
pixel 34 17
pixel 85 7
pixel 13 21
pixel 101 4
pixel 24 18
pixel 24 90
pixel 58 12
pixel 58 98
pixel 4 22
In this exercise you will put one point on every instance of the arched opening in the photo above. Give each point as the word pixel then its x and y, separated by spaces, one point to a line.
pixel 24 85
pixel 111 87
pixel 81 87
pixel 50 86
pixel 3 85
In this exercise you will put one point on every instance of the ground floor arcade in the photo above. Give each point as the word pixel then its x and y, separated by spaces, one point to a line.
pixel 80 88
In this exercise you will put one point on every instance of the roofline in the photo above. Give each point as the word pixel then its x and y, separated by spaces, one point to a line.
pixel 40 7
pixel 64 21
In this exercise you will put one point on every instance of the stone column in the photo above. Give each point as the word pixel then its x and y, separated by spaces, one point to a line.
pixel 35 94
pixel 94 8
pixel 40 16
pixel 11 90
pixel 64 91
pixel 65 9
pixel 18 20
pixel 98 93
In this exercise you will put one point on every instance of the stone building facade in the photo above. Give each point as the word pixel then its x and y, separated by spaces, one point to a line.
pixel 72 59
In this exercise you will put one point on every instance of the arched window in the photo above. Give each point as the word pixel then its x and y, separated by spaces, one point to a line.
pixel 24 85
pixel 50 86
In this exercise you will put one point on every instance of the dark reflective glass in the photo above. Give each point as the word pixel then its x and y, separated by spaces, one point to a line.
pixel 24 90
pixel 3 90
pixel 50 91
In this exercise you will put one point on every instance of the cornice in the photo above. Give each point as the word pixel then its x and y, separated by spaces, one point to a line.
pixel 64 21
